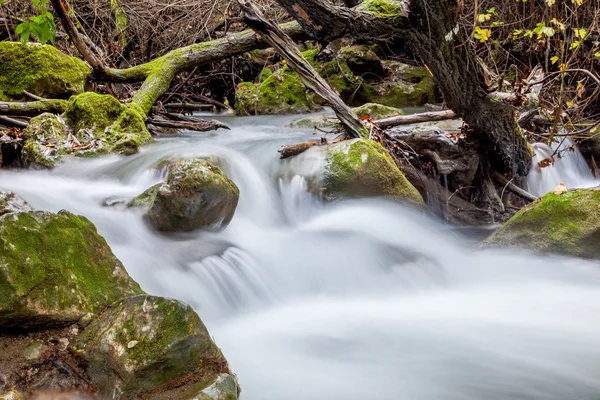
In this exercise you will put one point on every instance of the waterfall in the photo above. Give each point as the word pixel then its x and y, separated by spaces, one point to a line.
pixel 570 168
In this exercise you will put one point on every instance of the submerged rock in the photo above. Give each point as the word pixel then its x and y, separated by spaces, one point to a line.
pixel 362 168
pixel 40 69
pixel 10 203
pixel 567 223
pixel 195 195
pixel 55 269
pixel 146 343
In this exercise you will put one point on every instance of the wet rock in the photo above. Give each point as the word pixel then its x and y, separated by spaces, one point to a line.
pixel 10 203
pixel 45 141
pixel 39 69
pixel 567 223
pixel 195 195
pixel 146 199
pixel 55 269
pixel 362 168
pixel 147 343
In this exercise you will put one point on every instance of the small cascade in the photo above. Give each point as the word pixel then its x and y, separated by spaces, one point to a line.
pixel 570 168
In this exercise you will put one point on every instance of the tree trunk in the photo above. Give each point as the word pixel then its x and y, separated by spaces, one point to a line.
pixel 430 30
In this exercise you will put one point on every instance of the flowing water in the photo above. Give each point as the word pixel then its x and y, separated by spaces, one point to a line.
pixel 357 300
pixel 569 168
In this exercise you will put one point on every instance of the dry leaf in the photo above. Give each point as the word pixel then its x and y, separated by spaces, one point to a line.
pixel 560 189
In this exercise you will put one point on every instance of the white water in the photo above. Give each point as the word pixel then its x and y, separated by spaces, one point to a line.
pixel 570 169
pixel 359 300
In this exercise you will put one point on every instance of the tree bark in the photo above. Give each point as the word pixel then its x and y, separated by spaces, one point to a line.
pixel 415 118
pixel 296 61
pixel 33 107
pixel 430 30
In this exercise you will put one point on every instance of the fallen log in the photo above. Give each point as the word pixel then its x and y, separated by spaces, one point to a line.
pixel 13 123
pixel 416 118
pixel 198 125
pixel 288 50
pixel 291 150
pixel 514 188
pixel 33 108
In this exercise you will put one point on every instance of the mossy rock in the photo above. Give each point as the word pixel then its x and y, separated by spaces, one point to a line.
pixel 568 223
pixel 391 10
pixel 363 168
pixel 146 343
pixel 40 69
pixel 55 269
pixel 10 203
pixel 278 90
pixel 45 138
pixel 195 195
pixel 120 128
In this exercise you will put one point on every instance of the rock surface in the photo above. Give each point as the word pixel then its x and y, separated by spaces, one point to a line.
pixel 195 195
pixel 145 343
pixel 39 69
pixel 55 269
pixel 362 168
pixel 567 223
pixel 45 141
pixel 10 203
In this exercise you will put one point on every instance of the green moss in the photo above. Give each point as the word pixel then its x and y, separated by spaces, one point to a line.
pixel 56 267
pixel 363 168
pixel 44 139
pixel 121 128
pixel 40 69
pixel 388 9
pixel 568 224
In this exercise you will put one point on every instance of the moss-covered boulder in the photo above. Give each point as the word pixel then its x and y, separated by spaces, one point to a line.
pixel 195 195
pixel 106 125
pixel 55 269
pixel 362 168
pixel 10 203
pixel 278 90
pixel 40 69
pixel 147 344
pixel 45 141
pixel 567 223
pixel 145 200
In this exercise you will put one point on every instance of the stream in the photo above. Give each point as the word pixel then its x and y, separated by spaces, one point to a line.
pixel 362 299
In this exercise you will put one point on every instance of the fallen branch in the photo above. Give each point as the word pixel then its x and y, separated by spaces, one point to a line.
pixel 525 195
pixel 33 107
pixel 189 106
pixel 198 125
pixel 13 123
pixel 415 118
pixel 290 150
pixel 288 50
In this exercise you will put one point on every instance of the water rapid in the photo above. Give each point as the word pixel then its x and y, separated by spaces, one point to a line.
pixel 358 300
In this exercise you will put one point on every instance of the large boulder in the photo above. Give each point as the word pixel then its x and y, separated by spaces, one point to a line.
pixel 195 195
pixel 565 223
pixel 145 344
pixel 55 270
pixel 40 69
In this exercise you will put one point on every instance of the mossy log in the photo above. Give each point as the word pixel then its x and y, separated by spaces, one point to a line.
pixel 33 107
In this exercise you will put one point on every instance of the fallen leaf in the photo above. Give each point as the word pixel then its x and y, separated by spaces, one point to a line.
pixel 560 189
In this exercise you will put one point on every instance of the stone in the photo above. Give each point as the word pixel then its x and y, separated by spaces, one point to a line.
pixel 40 69
pixel 172 344
pixel 195 195
pixel 566 223
pixel 45 142
pixel 11 203
pixel 56 270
